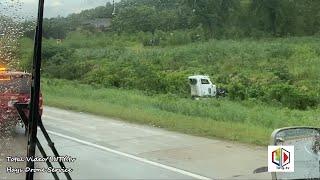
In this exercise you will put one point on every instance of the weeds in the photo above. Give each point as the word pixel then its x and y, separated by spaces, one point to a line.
pixel 246 121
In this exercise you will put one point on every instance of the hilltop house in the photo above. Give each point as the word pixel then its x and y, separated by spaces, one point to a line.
pixel 101 24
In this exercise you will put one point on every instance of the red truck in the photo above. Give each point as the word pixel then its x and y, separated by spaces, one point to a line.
pixel 14 88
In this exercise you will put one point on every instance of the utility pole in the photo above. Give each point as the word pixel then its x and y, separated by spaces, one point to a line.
pixel 114 8
pixel 34 115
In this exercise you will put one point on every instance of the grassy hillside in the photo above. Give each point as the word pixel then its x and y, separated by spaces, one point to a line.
pixel 272 83
pixel 281 72
pixel 137 69
pixel 246 121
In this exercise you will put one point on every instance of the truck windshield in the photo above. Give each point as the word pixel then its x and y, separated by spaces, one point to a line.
pixel 193 81
pixel 14 84
pixel 205 81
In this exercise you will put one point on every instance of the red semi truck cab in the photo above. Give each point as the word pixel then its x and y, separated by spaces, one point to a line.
pixel 15 87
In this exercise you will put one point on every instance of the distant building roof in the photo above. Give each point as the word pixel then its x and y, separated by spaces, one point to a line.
pixel 99 22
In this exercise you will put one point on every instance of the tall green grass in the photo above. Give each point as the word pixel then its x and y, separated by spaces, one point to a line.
pixel 247 121
pixel 281 71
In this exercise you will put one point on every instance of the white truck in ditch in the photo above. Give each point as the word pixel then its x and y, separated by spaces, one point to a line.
pixel 201 86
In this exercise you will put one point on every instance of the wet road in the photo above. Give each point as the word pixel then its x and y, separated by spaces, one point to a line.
pixel 12 146
pixel 111 149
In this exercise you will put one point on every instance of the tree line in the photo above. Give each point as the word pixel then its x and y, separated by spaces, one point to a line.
pixel 218 18
pixel 280 71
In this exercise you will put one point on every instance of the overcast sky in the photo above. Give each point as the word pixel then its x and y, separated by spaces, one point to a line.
pixel 54 8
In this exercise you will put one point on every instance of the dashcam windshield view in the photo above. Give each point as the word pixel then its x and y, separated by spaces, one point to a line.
pixel 159 89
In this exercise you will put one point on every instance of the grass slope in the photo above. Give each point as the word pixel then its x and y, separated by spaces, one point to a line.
pixel 248 122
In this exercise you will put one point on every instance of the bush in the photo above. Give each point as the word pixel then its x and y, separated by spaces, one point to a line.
pixel 282 72
pixel 64 68
pixel 237 91
pixel 176 82
pixel 291 97
pixel 269 70
pixel 178 38
pixel 151 42
pixel 197 34
pixel 51 49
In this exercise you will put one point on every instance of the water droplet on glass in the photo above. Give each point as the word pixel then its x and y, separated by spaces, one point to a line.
pixel 12 27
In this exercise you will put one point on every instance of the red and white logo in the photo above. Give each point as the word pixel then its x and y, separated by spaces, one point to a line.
pixel 281 159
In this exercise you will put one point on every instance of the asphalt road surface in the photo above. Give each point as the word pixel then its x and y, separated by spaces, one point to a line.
pixel 111 149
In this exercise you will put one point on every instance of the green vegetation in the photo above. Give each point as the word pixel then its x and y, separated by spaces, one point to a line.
pixel 182 38
pixel 219 18
pixel 246 121
pixel 135 65
pixel 281 72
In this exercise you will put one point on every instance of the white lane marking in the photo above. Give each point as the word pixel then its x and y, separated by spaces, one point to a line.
pixel 51 117
pixel 131 156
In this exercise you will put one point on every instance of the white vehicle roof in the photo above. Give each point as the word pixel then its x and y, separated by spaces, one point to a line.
pixel 198 77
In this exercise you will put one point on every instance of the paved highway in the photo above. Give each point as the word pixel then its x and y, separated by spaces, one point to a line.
pixel 111 149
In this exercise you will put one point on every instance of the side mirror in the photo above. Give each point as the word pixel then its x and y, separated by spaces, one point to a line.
pixel 306 142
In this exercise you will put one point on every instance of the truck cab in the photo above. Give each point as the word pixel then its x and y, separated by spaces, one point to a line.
pixel 201 86
pixel 15 87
